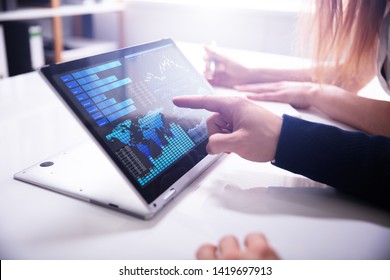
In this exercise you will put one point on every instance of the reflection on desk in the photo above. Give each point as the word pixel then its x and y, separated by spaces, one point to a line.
pixel 302 219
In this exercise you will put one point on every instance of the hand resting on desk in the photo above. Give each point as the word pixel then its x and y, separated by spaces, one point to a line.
pixel 297 88
pixel 256 248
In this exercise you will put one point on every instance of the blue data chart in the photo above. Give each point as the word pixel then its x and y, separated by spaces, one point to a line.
pixel 164 66
pixel 126 101
pixel 93 89
pixel 108 86
pixel 199 132
pixel 165 71
pixel 94 70
pixel 143 132
pixel 131 161
pixel 88 79
pixel 180 144
pixel 99 83
pixel 142 95
pixel 171 141
pixel 121 113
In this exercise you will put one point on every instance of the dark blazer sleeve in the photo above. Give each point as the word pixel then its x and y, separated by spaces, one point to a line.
pixel 353 162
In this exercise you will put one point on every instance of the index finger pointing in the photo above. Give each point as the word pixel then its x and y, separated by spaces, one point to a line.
pixel 210 103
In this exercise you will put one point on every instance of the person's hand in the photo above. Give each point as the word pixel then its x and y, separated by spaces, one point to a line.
pixel 256 248
pixel 297 94
pixel 227 72
pixel 238 126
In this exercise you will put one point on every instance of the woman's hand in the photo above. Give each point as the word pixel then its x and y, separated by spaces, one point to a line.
pixel 226 72
pixel 297 94
pixel 256 248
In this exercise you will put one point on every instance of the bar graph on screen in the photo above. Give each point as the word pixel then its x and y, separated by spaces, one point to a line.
pixel 90 86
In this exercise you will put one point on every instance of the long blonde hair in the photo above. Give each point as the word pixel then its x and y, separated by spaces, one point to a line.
pixel 346 35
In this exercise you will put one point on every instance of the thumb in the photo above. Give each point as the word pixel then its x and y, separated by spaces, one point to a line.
pixel 222 143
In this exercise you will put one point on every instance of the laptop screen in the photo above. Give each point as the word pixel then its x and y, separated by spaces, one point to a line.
pixel 124 98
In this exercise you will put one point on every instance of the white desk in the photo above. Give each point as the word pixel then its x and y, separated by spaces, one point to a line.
pixel 301 219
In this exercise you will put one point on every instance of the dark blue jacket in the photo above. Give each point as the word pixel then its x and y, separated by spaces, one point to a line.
pixel 354 162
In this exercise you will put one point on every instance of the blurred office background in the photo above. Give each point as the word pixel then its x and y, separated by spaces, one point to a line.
pixel 61 30
pixel 260 25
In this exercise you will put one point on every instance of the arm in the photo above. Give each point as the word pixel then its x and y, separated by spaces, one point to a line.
pixel 230 73
pixel 369 115
pixel 351 161
pixel 294 86
pixel 354 162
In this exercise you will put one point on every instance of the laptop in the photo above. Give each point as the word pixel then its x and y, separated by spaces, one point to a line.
pixel 144 150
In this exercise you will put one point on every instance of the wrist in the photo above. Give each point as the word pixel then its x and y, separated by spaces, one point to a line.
pixel 277 132
pixel 255 75
pixel 313 95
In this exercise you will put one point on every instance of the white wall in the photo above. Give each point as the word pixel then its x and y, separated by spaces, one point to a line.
pixel 252 29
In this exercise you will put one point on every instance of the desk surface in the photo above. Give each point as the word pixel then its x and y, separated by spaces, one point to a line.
pixel 301 218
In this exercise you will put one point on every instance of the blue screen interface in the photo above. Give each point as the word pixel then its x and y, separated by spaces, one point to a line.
pixel 128 101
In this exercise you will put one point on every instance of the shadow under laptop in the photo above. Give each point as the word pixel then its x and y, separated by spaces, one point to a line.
pixel 81 220
pixel 299 201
